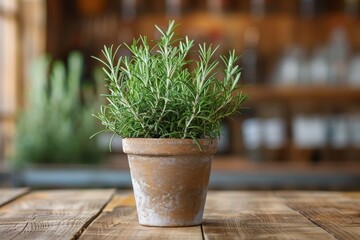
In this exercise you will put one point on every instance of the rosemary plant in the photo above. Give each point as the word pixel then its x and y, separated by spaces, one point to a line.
pixel 159 93
pixel 55 126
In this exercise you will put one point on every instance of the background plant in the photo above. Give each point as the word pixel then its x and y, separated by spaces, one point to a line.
pixel 55 125
pixel 157 93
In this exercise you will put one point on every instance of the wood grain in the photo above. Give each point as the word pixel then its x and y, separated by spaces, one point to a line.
pixel 60 214
pixel 9 194
pixel 255 215
pixel 338 213
pixel 72 214
pixel 119 221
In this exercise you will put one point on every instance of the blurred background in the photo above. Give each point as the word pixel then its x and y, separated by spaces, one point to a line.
pixel 300 128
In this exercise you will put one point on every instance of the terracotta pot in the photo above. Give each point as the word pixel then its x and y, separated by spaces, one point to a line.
pixel 170 179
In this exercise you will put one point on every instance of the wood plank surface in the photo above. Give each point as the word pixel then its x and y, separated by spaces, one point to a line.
pixel 99 214
pixel 255 215
pixel 58 214
pixel 8 194
pixel 338 213
pixel 119 221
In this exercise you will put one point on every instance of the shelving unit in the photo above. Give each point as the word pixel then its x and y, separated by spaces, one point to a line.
pixel 267 27
pixel 330 95
pixel 290 101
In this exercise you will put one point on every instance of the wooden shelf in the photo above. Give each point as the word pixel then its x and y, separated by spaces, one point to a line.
pixel 234 163
pixel 241 164
pixel 299 94
pixel 232 172
pixel 228 172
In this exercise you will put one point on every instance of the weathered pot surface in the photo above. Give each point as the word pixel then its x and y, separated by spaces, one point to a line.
pixel 170 179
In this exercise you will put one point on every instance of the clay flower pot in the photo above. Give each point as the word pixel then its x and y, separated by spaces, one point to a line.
pixel 170 179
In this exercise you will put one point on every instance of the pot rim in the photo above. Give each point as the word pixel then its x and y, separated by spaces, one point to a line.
pixel 169 146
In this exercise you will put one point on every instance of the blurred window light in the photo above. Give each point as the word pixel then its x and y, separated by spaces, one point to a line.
pixel 8 69
pixel 8 53
pixel 8 7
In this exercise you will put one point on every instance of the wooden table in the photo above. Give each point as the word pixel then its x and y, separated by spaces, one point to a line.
pixel 107 214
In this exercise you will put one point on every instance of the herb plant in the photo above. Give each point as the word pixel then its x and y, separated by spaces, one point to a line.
pixel 55 126
pixel 159 93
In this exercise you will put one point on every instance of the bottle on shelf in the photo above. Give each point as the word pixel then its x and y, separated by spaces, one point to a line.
pixel 354 129
pixel 274 136
pixel 353 76
pixel 338 56
pixel 292 67
pixel 309 134
pixel 224 141
pixel 264 138
pixel 319 67
pixel 128 10
pixel 250 56
pixel 175 8
pixel 252 138
pixel 309 131
pixel 338 131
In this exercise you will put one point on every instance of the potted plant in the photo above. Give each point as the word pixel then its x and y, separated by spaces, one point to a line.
pixel 168 109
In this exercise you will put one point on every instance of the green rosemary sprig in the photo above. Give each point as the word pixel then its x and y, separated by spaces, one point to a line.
pixel 157 94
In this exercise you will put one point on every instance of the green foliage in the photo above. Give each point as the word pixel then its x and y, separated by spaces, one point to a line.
pixel 55 126
pixel 157 94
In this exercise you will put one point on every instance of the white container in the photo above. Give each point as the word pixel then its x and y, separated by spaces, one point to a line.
pixel 309 131
pixel 354 129
pixel 252 133
pixel 338 129
pixel 273 133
